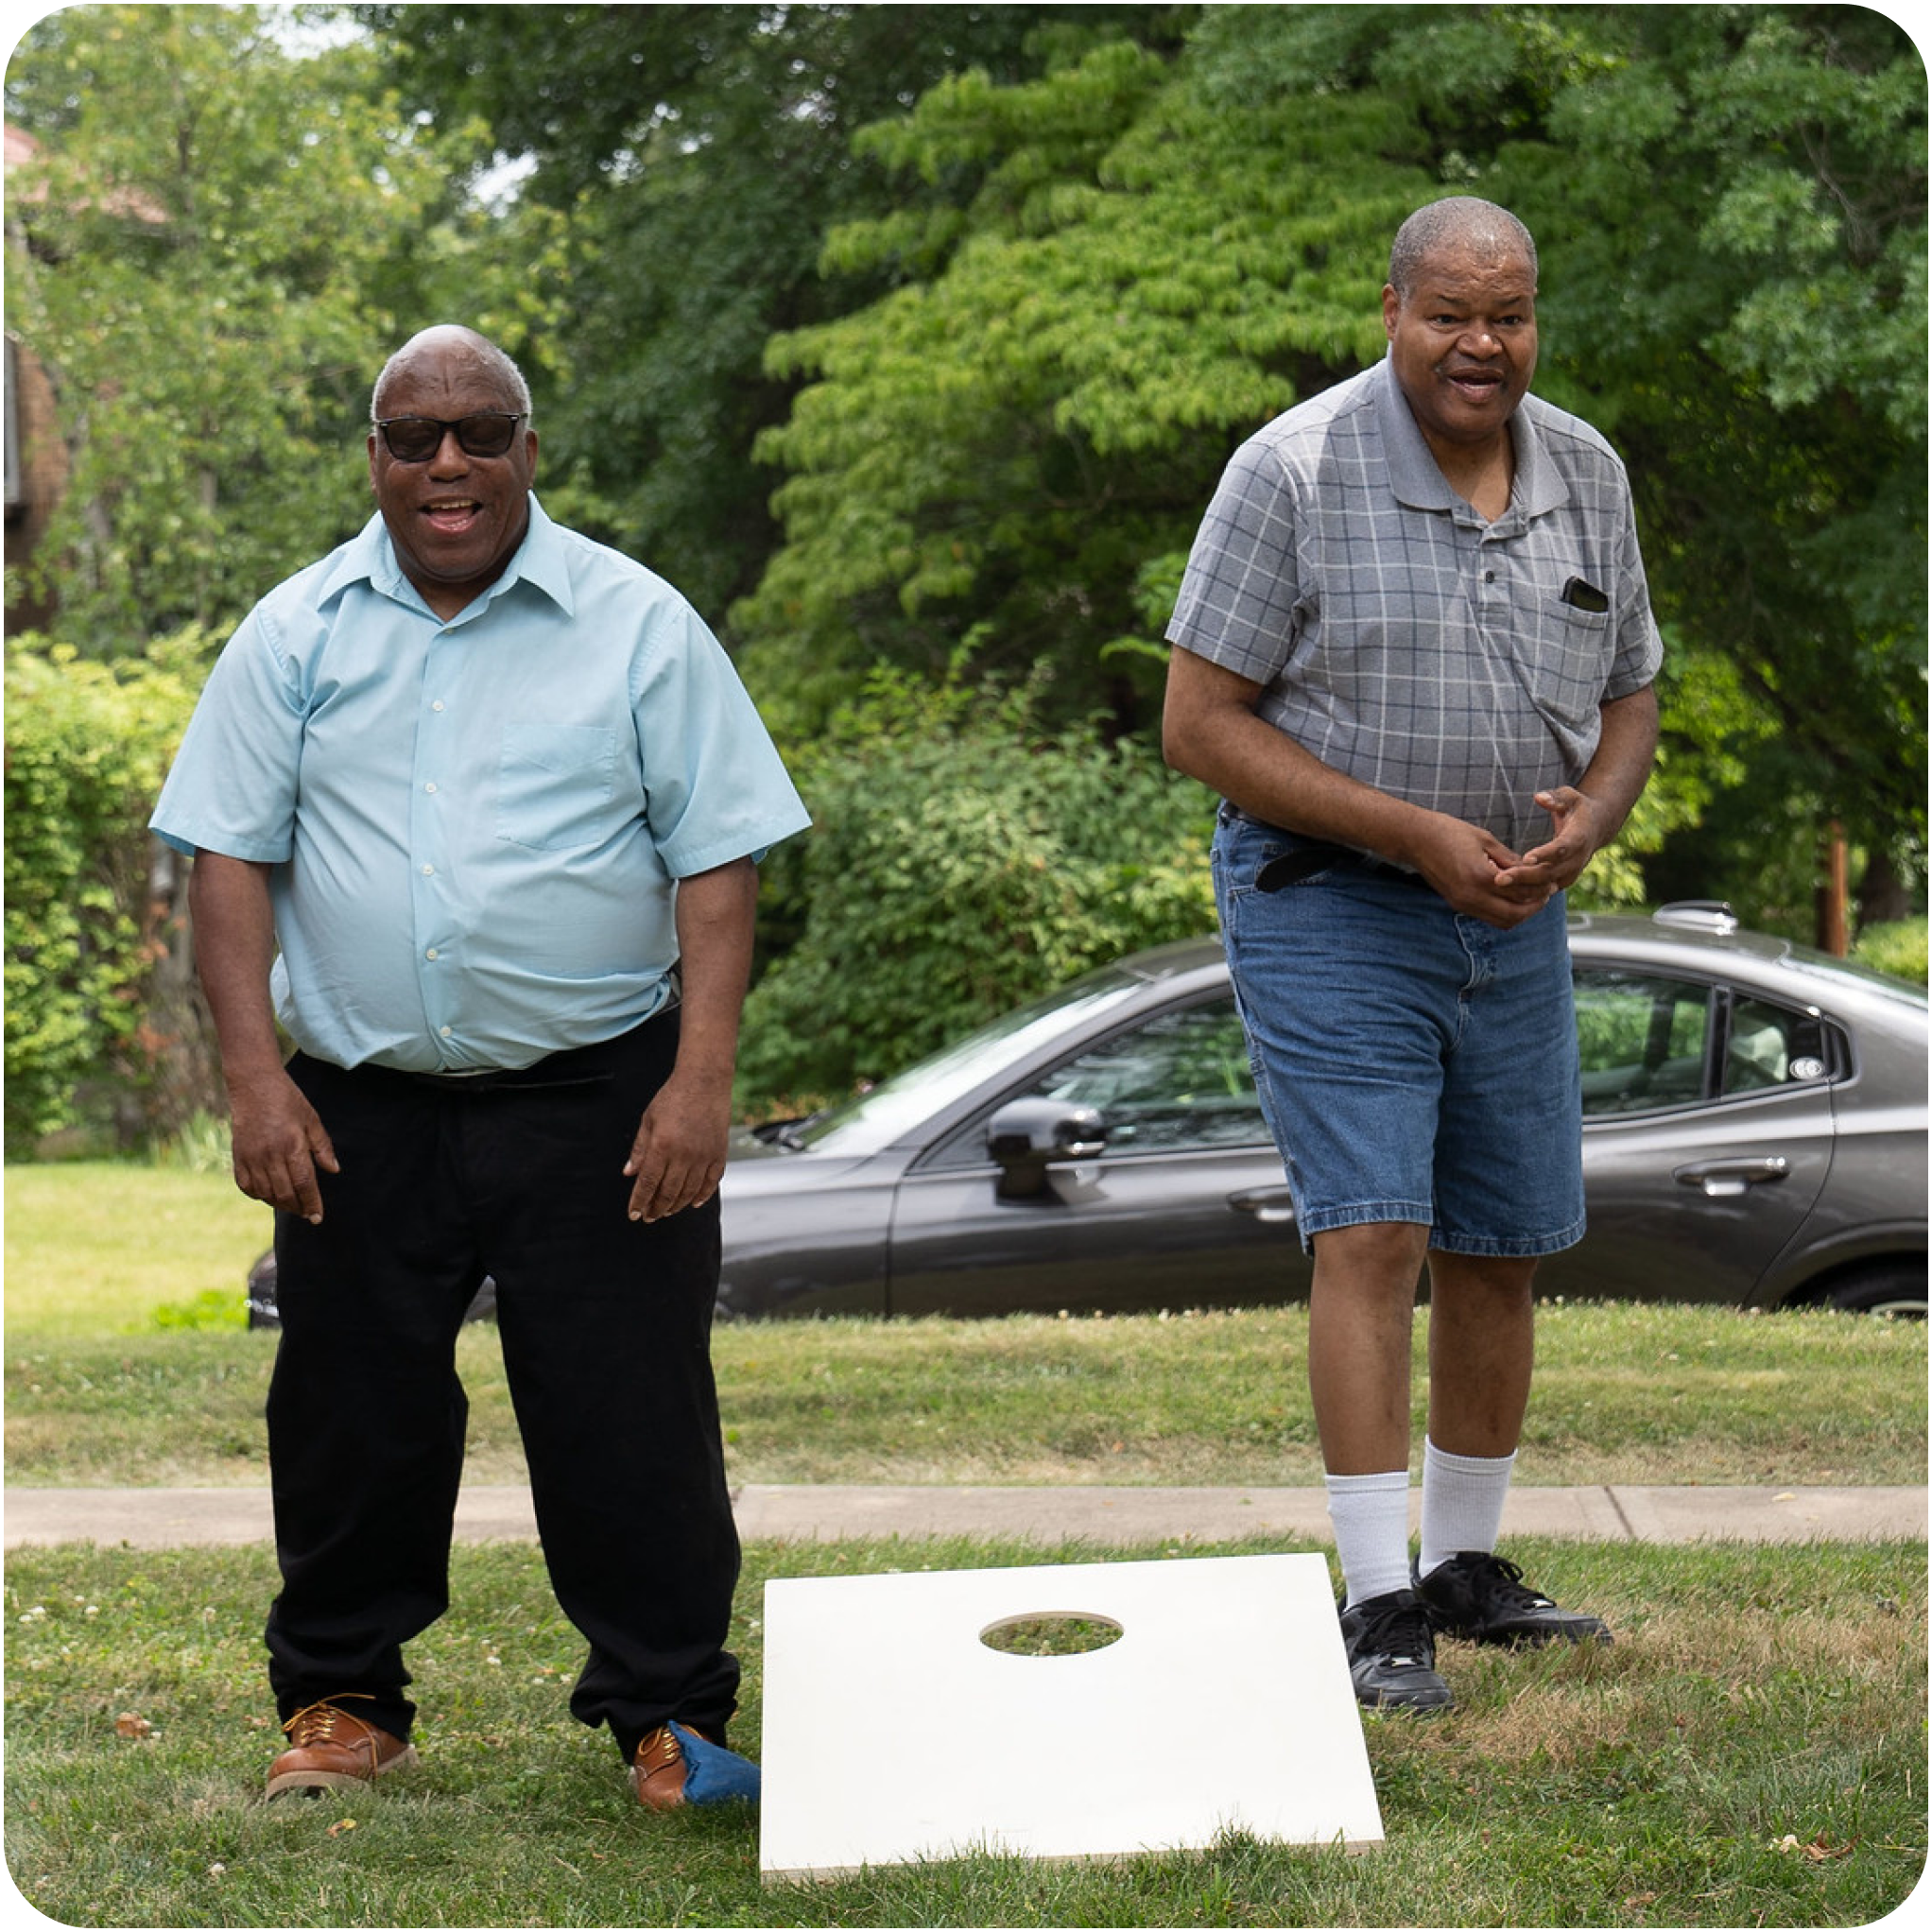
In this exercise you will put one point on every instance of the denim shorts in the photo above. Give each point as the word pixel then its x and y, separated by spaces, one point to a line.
pixel 1414 1065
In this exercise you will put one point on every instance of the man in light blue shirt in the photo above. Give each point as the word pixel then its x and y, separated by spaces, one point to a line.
pixel 476 805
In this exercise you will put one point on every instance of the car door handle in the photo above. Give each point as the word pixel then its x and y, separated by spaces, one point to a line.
pixel 1270 1204
pixel 1722 1179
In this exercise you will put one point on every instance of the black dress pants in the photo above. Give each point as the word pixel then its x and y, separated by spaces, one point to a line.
pixel 605 1326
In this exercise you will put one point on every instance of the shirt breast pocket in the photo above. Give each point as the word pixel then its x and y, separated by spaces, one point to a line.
pixel 1572 662
pixel 554 785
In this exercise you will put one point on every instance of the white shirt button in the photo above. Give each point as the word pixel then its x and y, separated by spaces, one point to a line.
pixel 445 1031
pixel 431 954
pixel 438 705
pixel 430 786
pixel 429 871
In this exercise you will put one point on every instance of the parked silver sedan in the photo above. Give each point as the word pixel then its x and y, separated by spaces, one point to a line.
pixel 1754 1133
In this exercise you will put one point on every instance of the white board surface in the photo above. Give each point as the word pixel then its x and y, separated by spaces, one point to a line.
pixel 891 1733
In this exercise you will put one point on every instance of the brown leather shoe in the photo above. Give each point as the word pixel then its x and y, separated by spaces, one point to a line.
pixel 658 1768
pixel 327 1746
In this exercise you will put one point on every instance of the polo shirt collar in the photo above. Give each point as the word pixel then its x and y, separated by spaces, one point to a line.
pixel 369 558
pixel 1416 480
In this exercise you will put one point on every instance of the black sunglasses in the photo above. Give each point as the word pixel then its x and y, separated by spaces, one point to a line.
pixel 416 438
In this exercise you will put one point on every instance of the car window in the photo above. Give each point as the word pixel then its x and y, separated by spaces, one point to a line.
pixel 879 1116
pixel 1771 1046
pixel 1645 1043
pixel 1181 1081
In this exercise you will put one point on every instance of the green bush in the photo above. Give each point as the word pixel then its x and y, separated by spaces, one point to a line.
pixel 87 746
pixel 1897 947
pixel 962 858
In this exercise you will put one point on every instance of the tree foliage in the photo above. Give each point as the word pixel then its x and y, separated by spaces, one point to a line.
pixel 1003 447
pixel 1009 449
pixel 700 154
pixel 915 337
pixel 87 746
pixel 217 244
pixel 224 241
pixel 1742 207
pixel 967 856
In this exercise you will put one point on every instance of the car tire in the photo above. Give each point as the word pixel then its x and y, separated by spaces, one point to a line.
pixel 1894 1290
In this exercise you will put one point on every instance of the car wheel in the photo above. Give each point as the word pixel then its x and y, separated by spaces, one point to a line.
pixel 1890 1290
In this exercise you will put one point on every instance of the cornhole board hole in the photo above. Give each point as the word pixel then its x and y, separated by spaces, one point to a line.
pixel 893 1733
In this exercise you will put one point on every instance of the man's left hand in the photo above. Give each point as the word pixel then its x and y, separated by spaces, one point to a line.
pixel 677 1158
pixel 1554 866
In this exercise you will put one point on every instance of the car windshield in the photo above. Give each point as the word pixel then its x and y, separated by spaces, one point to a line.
pixel 877 1118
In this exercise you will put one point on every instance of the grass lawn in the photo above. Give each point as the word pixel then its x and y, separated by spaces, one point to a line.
pixel 100 1392
pixel 94 1248
pixel 1750 1751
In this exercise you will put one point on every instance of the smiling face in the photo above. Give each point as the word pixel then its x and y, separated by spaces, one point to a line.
pixel 457 520
pixel 1463 344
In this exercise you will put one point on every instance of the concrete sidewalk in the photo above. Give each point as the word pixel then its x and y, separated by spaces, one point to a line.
pixel 163 1519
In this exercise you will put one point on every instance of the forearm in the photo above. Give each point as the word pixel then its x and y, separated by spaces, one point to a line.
pixel 279 1142
pixel 1586 816
pixel 234 948
pixel 1625 753
pixel 678 1155
pixel 715 915
pixel 1210 731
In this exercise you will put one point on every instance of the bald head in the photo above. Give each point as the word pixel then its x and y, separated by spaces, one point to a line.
pixel 454 346
pixel 1460 224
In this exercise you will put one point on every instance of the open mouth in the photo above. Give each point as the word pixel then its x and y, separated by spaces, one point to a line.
pixel 453 516
pixel 1479 385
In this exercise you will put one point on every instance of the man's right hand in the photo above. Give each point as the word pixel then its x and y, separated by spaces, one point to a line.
pixel 1466 865
pixel 280 1142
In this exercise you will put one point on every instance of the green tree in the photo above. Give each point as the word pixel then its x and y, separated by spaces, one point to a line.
pixel 1005 446
pixel 700 153
pixel 967 854
pixel 219 242
pixel 1741 282
pixel 1010 450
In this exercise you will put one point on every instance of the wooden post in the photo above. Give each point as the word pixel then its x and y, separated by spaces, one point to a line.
pixel 1833 896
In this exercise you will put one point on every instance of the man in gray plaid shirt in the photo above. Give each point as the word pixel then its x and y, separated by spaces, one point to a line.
pixel 1415 657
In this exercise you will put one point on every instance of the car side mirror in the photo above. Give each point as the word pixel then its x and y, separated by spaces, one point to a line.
pixel 1025 1137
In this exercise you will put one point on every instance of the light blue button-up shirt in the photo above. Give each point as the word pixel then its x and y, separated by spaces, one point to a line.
pixel 474 826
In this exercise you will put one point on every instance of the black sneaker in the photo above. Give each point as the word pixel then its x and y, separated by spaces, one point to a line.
pixel 1390 1643
pixel 1482 1597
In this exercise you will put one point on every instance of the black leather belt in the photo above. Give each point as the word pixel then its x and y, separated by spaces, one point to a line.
pixel 574 1066
pixel 1312 856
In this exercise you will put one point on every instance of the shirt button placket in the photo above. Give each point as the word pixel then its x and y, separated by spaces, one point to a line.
pixel 431 865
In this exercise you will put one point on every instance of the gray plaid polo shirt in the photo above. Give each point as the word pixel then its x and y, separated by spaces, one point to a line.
pixel 1401 639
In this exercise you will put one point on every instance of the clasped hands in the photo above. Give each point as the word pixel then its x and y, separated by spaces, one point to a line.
pixel 1479 875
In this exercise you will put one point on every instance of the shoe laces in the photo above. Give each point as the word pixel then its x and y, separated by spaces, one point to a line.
pixel 1505 1582
pixel 1404 1633
pixel 656 1750
pixel 315 1723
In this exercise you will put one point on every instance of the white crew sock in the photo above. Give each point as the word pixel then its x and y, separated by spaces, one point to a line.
pixel 1462 1503
pixel 1370 1515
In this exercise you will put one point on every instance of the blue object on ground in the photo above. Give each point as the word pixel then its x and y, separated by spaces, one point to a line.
pixel 714 1775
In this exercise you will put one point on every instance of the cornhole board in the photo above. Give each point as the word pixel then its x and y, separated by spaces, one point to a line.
pixel 892 1733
